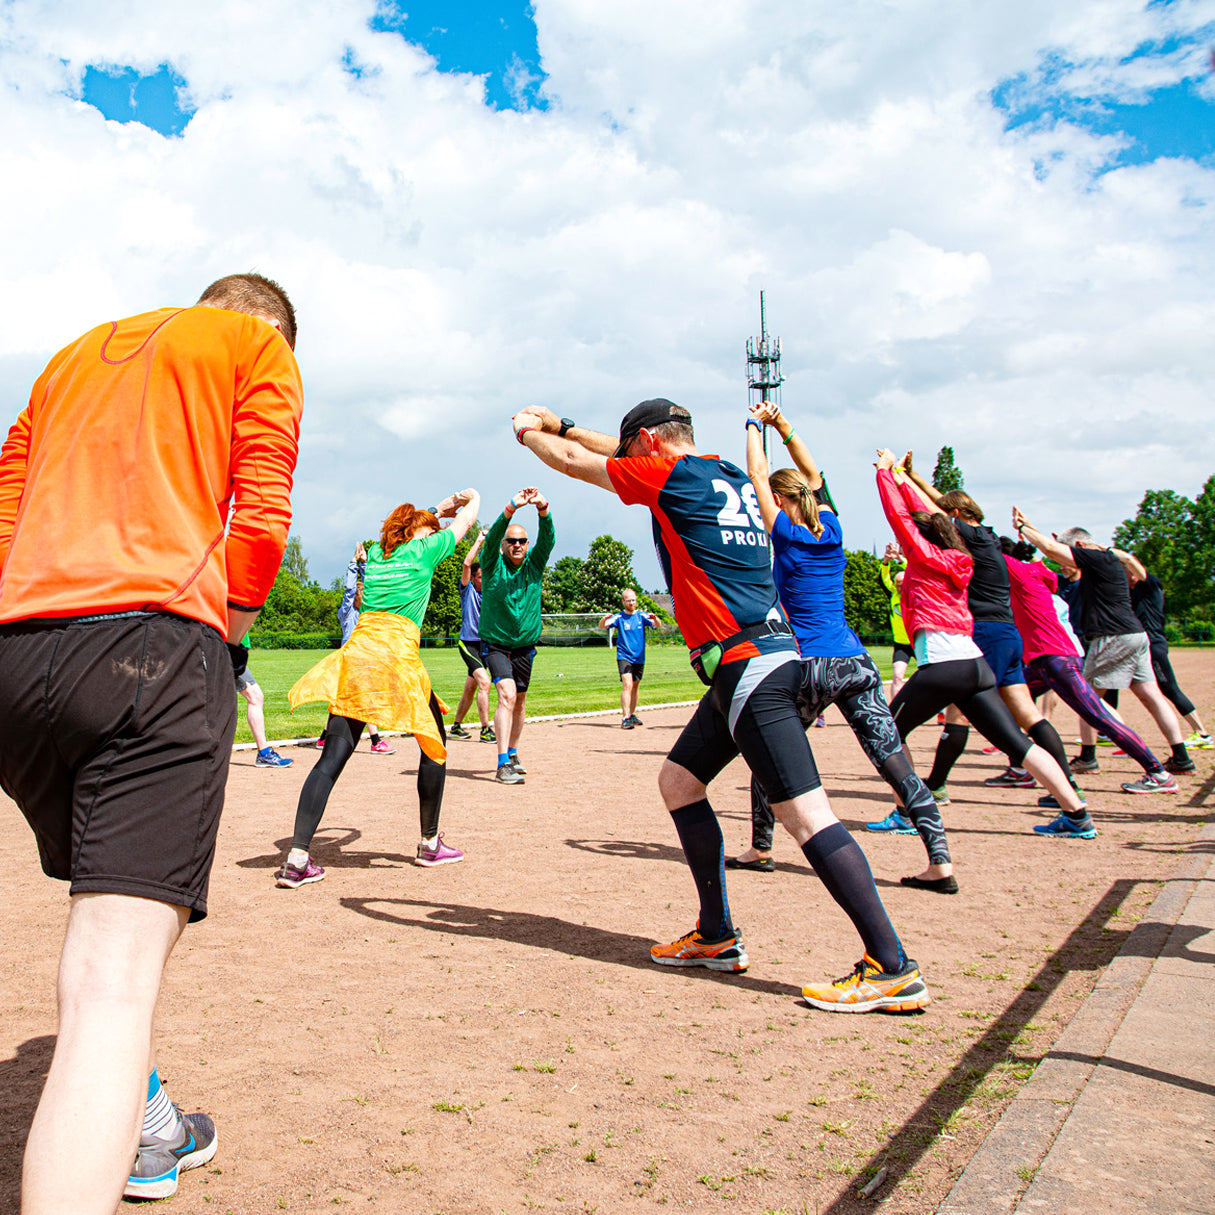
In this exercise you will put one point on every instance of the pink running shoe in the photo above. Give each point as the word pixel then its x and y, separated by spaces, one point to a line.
pixel 382 748
pixel 291 878
pixel 440 854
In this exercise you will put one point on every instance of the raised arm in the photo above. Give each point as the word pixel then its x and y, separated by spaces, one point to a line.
pixel 1131 564
pixel 771 415
pixel 927 490
pixel 468 503
pixel 470 558
pixel 582 454
pixel 1048 546
pixel 758 471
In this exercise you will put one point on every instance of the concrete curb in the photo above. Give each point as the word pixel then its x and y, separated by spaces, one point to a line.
pixel 991 1183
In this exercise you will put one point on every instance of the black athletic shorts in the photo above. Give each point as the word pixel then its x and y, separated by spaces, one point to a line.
pixel 115 737
pixel 470 651
pixel 751 709
pixel 903 653
pixel 630 668
pixel 509 664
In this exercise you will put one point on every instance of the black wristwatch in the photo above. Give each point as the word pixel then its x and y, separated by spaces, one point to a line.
pixel 566 423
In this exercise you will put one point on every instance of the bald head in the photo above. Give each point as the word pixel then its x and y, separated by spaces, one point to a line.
pixel 514 544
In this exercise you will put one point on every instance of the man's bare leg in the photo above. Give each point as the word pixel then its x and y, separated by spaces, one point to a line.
pixel 466 698
pixel 517 719
pixel 91 1109
pixel 504 714
pixel 626 685
pixel 1150 696
pixel 483 685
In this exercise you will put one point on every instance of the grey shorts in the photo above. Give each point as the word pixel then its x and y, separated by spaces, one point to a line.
pixel 245 680
pixel 1119 661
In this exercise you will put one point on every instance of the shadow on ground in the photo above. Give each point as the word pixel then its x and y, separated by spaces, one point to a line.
pixel 21 1081
pixel 543 932
pixel 1090 947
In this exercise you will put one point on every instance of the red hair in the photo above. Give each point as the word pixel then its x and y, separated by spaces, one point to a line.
pixel 400 526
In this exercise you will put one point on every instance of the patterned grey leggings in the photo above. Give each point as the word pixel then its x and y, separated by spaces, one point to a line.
pixel 855 686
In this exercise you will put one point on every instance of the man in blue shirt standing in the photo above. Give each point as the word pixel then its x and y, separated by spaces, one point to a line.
pixel 478 682
pixel 630 626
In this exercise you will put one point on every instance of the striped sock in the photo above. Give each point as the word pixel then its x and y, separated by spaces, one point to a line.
pixel 160 1117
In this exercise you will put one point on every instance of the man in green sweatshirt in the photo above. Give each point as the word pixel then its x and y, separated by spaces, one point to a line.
pixel 511 579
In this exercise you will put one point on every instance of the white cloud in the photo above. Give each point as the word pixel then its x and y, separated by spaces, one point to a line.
pixel 934 278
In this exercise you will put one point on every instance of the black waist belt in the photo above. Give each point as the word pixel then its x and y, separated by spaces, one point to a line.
pixel 704 658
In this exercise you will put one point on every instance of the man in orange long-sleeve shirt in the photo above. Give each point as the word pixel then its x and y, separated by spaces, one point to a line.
pixel 144 509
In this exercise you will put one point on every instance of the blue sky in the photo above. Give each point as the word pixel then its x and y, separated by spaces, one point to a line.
pixel 949 239
pixel 490 38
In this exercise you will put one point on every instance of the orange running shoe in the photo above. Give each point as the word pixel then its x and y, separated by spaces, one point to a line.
pixel 870 989
pixel 693 950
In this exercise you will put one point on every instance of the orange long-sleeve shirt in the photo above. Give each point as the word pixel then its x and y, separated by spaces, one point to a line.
pixel 117 479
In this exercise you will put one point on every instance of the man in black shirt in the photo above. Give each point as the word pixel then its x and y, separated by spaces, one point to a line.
pixel 1147 600
pixel 1118 653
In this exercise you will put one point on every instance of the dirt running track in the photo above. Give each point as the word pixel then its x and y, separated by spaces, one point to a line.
pixel 491 1036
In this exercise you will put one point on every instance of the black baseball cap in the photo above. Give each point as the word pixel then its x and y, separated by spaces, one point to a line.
pixel 648 414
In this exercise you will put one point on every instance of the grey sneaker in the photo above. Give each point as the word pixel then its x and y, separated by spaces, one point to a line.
pixel 1152 782
pixel 518 767
pixel 1076 764
pixel 508 776
pixel 157 1164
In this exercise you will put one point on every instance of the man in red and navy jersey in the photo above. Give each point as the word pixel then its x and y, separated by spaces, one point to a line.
pixel 713 548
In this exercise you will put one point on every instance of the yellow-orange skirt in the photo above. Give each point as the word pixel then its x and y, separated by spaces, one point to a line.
pixel 378 676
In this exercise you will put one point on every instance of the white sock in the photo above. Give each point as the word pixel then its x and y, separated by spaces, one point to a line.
pixel 430 844
pixel 297 858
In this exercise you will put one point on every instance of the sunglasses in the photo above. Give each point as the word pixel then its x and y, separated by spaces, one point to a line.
pixel 524 541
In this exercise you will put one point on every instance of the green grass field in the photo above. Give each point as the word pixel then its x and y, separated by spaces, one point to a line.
pixel 570 679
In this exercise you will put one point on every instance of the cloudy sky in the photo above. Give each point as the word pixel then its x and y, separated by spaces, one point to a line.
pixel 975 223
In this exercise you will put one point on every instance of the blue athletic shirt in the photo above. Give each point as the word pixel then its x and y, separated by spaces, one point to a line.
pixel 470 613
pixel 630 635
pixel 809 576
pixel 711 545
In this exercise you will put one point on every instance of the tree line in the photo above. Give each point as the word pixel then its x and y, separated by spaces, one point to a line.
pixel 1173 536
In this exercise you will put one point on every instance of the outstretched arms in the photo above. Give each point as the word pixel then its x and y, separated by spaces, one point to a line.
pixel 757 469
pixel 582 454
pixel 1048 546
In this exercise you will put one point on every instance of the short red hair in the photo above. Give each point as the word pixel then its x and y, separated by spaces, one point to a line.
pixel 400 526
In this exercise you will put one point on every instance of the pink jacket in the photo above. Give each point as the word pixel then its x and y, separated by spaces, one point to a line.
pixel 934 586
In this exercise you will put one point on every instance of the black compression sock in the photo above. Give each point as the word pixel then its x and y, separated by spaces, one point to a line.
pixel 1088 754
pixel 704 848
pixel 375 739
pixel 952 744
pixel 841 866
pixel 1180 753
pixel 1047 737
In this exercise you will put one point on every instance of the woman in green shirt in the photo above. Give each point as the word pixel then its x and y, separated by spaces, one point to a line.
pixel 378 675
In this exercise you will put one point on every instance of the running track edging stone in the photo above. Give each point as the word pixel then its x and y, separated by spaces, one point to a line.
pixel 990 1183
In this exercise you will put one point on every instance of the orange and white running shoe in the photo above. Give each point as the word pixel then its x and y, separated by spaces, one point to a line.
pixel 870 989
pixel 693 950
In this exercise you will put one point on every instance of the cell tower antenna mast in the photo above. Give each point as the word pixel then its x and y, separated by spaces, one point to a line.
pixel 763 366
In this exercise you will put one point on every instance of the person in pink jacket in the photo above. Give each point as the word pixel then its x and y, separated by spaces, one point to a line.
pixel 950 667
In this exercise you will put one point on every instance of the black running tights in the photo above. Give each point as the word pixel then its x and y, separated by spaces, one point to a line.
pixel 341 736
pixel 969 684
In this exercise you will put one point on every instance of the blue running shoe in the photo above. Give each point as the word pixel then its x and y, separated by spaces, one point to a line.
pixel 1064 828
pixel 270 758
pixel 157 1165
pixel 894 823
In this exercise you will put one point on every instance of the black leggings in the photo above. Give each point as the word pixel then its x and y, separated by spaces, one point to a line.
pixel 969 684
pixel 341 736
pixel 854 685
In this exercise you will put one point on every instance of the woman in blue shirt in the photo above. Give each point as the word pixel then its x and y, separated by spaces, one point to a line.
pixel 808 568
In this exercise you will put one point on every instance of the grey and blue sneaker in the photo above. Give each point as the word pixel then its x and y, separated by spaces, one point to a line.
pixel 894 824
pixel 1064 828
pixel 518 767
pixel 270 758
pixel 157 1164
